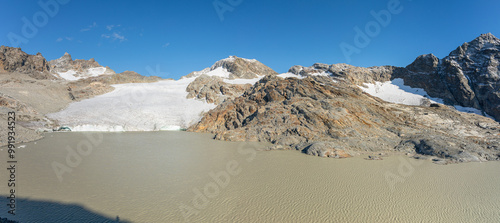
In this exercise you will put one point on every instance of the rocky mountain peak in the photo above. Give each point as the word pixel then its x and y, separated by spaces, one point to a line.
pixel 488 37
pixel 78 68
pixel 235 67
pixel 424 63
pixel 484 44
pixel 62 61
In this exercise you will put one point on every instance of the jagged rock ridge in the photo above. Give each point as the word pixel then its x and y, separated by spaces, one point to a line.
pixel 15 60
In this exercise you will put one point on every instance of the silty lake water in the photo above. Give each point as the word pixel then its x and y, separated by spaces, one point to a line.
pixel 188 177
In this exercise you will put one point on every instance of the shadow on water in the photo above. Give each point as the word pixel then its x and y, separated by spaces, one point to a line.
pixel 38 211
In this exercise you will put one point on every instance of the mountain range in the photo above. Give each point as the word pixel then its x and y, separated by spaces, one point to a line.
pixel 447 109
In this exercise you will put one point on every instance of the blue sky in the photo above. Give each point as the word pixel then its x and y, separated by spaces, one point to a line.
pixel 174 38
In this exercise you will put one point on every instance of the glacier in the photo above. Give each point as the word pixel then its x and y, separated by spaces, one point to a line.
pixel 136 107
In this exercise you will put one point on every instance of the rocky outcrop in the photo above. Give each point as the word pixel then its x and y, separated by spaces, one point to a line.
pixel 15 60
pixel 214 89
pixel 357 75
pixel 326 149
pixel 239 68
pixel 299 113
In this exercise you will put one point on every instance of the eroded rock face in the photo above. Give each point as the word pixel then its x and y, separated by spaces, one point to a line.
pixel 15 60
pixel 297 113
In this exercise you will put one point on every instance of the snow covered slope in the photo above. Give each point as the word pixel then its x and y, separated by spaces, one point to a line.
pixel 396 92
pixel 73 75
pixel 136 107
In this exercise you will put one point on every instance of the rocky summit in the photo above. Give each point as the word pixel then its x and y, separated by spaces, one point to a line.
pixel 215 84
pixel 236 67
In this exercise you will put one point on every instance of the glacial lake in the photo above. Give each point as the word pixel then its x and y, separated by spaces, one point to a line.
pixel 188 177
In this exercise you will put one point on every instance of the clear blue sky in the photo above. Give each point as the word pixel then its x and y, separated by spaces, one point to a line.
pixel 187 35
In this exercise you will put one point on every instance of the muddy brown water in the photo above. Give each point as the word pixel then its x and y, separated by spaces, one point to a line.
pixel 188 177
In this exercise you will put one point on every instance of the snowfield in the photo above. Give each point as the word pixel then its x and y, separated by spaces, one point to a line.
pixel 72 75
pixel 69 75
pixel 285 75
pixel 396 92
pixel 219 72
pixel 136 107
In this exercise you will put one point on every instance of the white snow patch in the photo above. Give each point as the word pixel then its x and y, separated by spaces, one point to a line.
pixel 96 71
pixel 69 75
pixel 472 110
pixel 72 75
pixel 219 72
pixel 323 73
pixel 396 92
pixel 136 107
pixel 288 74
pixel 233 58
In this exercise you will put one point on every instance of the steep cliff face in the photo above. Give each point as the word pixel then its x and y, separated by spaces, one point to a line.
pixel 467 77
pixel 471 73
